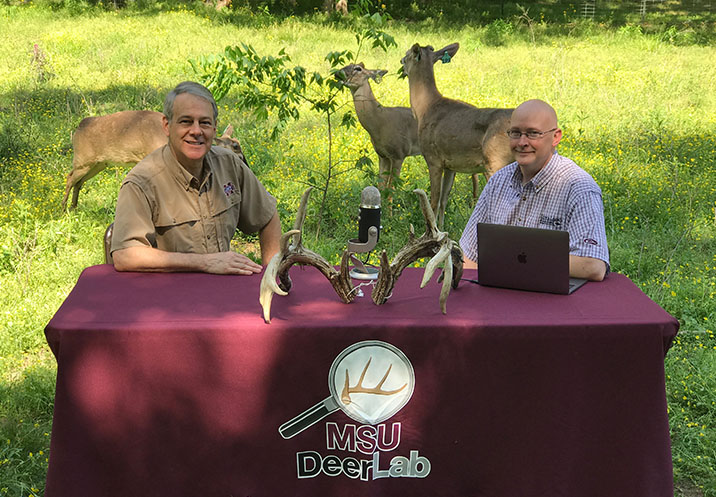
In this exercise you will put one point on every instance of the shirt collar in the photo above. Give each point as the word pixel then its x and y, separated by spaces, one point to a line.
pixel 546 174
pixel 540 179
pixel 181 175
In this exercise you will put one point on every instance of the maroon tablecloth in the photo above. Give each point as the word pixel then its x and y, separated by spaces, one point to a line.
pixel 173 385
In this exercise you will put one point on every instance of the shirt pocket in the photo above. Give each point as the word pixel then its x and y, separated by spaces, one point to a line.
pixel 179 230
pixel 225 215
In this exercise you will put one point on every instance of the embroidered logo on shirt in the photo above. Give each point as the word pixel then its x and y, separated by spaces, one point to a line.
pixel 555 222
pixel 229 189
pixel 591 241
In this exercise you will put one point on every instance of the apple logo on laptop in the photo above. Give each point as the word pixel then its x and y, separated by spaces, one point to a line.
pixel 522 258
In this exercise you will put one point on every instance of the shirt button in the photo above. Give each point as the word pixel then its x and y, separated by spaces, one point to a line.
pixel 524 198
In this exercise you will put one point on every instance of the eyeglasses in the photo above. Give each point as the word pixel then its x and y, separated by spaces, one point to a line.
pixel 531 135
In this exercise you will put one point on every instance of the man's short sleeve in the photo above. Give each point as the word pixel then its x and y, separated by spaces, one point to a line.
pixel 587 233
pixel 133 226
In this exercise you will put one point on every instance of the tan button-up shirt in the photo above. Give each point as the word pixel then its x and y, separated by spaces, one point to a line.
pixel 162 205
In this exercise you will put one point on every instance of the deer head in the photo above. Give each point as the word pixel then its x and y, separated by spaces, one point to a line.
pixel 228 141
pixel 355 76
pixel 419 58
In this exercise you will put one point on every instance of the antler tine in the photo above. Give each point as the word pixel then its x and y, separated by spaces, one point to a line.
pixel 286 249
pixel 268 282
pixel 301 215
pixel 365 370
pixel 457 264
pixel 447 282
pixel 284 244
pixel 432 265
pixel 431 225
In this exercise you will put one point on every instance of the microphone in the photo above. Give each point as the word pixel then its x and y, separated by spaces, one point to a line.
pixel 368 213
pixel 368 232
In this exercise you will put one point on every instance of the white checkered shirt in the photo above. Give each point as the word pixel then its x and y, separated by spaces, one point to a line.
pixel 562 196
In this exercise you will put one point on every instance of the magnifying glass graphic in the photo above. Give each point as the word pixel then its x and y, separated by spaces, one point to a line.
pixel 370 381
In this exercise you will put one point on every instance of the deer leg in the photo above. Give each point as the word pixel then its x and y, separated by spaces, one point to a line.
pixel 384 172
pixel 394 176
pixel 397 165
pixel 74 180
pixel 448 179
pixel 475 186
pixel 386 183
pixel 81 179
pixel 76 194
pixel 67 194
pixel 436 176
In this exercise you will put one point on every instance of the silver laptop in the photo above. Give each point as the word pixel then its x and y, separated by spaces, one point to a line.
pixel 524 259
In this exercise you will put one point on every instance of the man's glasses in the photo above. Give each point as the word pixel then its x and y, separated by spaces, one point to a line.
pixel 531 135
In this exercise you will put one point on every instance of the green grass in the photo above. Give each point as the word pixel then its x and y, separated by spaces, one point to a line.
pixel 636 102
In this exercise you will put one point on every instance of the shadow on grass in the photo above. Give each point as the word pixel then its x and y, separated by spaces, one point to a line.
pixel 27 391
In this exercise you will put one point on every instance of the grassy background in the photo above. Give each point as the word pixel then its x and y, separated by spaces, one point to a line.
pixel 636 101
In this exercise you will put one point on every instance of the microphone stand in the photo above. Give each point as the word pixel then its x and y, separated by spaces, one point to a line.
pixel 360 272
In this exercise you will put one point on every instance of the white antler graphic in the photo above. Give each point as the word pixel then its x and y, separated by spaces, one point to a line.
pixel 359 388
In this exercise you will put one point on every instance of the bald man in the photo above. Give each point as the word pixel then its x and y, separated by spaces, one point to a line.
pixel 542 189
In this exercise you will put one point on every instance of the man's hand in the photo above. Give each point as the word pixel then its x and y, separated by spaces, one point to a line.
pixel 230 263
pixel 468 263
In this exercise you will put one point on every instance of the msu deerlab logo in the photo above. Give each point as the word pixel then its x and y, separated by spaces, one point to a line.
pixel 369 382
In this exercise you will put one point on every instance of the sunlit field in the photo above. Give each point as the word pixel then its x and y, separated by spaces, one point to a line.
pixel 638 112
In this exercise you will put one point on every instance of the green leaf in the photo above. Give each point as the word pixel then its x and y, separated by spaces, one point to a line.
pixel 348 120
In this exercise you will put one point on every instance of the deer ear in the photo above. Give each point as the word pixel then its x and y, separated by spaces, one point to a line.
pixel 377 75
pixel 361 64
pixel 450 50
pixel 228 131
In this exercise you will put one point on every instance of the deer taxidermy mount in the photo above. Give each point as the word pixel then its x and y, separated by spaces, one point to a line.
pixel 433 243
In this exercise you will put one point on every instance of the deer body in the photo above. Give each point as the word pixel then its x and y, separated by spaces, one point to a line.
pixel 393 130
pixel 123 137
pixel 454 136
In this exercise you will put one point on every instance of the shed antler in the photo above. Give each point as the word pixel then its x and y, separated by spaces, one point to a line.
pixel 293 252
pixel 435 244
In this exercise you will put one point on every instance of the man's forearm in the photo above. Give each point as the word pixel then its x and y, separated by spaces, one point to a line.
pixel 154 260
pixel 269 238
pixel 587 267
